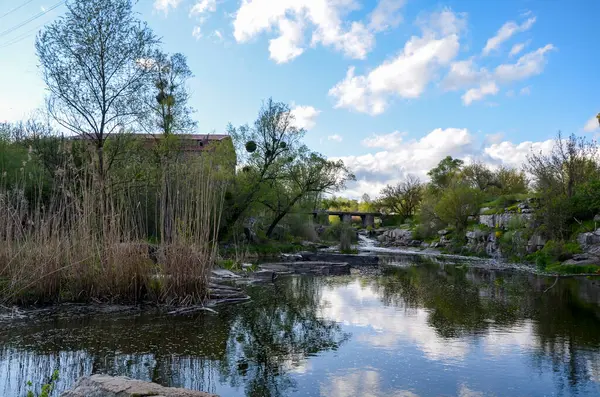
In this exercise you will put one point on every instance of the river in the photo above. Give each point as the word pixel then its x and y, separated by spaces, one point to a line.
pixel 412 331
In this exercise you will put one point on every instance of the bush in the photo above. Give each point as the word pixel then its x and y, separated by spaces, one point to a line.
pixel 392 220
pixel 553 253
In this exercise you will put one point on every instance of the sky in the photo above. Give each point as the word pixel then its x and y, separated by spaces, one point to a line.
pixel 389 86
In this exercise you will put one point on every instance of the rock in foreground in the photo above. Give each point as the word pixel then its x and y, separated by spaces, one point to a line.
pixel 122 386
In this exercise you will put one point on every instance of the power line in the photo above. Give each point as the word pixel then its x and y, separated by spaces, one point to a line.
pixel 16 8
pixel 21 37
pixel 33 18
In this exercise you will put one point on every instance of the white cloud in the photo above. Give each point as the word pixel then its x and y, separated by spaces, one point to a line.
pixel 165 5
pixel 335 138
pixel 476 94
pixel 287 46
pixel 197 32
pixel 218 34
pixel 464 74
pixel 408 74
pixel 517 48
pixel 528 65
pixel 525 90
pixel 506 32
pixel 305 116
pixel 394 157
pixel 386 15
pixel 323 20
pixel 389 141
pixel 202 7
pixel 515 155
pixel 592 125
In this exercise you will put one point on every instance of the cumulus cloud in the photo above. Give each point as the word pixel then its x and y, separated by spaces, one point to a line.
pixel 506 32
pixel 477 94
pixel 323 20
pixel 386 15
pixel 394 157
pixel 406 75
pixel 591 125
pixel 305 116
pixel 480 82
pixel 203 6
pixel 165 5
pixel 528 65
pixel 335 138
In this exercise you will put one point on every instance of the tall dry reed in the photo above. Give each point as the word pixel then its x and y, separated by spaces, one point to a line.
pixel 74 246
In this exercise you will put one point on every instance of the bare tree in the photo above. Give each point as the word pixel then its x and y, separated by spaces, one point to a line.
pixel 403 198
pixel 93 62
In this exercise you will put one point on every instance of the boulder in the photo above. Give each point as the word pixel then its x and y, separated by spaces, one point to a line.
pixel 122 386
pixel 443 232
pixel 477 235
pixel 583 260
pixel 589 239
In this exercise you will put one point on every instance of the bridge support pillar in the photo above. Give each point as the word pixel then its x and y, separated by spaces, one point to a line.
pixel 368 220
pixel 347 218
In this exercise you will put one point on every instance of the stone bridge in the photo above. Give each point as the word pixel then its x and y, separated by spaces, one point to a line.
pixel 368 218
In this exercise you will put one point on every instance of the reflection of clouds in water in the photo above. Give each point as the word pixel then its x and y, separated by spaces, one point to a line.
pixel 358 306
pixel 499 342
pixel 464 391
pixel 367 383
pixel 364 383
pixel 361 306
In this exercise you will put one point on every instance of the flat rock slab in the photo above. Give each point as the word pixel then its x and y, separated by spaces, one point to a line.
pixel 122 386
pixel 309 267
pixel 352 260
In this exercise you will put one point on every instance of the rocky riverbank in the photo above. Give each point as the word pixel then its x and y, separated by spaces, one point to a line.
pixel 122 386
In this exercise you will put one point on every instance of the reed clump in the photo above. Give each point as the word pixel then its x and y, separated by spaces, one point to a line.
pixel 71 237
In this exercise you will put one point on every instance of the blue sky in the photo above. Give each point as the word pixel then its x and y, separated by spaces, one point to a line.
pixel 390 86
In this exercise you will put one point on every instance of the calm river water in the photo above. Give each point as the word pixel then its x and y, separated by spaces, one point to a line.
pixel 426 330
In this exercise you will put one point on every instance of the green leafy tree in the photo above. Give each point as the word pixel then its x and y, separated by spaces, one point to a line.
pixel 265 151
pixel 443 174
pixel 93 62
pixel 309 173
pixel 403 198
pixel 457 204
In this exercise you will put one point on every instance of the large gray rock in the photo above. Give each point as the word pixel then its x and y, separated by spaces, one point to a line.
pixel 501 221
pixel 589 239
pixel 535 243
pixel 121 386
pixel 397 237
pixel 352 260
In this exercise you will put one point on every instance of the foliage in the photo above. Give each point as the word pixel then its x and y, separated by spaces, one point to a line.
pixel 443 174
pixel 478 176
pixel 47 388
pixel 457 204
pixel 553 253
pixel 403 198
pixel 93 62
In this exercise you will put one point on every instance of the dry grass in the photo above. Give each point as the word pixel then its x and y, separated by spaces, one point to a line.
pixel 75 247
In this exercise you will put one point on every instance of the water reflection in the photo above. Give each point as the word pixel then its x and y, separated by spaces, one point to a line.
pixel 415 331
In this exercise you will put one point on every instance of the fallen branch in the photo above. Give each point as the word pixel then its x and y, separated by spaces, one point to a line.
pixel 548 289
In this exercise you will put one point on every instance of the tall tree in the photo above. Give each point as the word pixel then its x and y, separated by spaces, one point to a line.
pixel 170 114
pixel 309 173
pixel 403 198
pixel 442 175
pixel 264 151
pixel 92 60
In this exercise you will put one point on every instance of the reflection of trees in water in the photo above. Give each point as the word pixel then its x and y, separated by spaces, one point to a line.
pixel 276 333
pixel 467 301
pixel 255 344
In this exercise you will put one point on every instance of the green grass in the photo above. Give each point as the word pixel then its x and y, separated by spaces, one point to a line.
pixel 573 269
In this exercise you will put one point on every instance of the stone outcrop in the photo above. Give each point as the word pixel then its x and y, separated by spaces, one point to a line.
pixel 501 221
pixel 398 237
pixel 121 386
